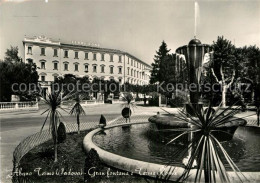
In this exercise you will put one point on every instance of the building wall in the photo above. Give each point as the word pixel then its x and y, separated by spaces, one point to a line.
pixel 140 74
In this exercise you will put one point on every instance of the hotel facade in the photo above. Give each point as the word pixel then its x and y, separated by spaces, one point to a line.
pixel 54 58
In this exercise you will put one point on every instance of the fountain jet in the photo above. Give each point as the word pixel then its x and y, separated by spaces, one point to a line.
pixel 196 18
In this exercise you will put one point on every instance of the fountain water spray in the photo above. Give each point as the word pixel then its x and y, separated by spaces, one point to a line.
pixel 196 18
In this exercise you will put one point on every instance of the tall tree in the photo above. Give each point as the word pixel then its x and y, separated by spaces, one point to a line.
pixel 251 65
pixel 157 65
pixel 13 73
pixel 224 65
pixel 11 55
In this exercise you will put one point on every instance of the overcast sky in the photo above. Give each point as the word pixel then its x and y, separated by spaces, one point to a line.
pixel 137 27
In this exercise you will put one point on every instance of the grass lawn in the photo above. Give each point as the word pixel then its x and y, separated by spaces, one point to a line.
pixel 38 165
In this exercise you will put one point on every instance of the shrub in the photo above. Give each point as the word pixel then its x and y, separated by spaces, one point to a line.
pixel 61 133
pixel 154 101
pixel 176 102
pixel 92 160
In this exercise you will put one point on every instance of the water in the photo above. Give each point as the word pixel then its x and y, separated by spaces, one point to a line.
pixel 142 142
pixel 196 17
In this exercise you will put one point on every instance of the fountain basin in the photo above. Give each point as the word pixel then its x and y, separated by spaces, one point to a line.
pixel 117 155
pixel 169 121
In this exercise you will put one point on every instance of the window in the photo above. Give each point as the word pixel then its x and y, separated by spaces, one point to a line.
pixel 111 58
pixel 134 63
pixel 55 66
pixel 42 51
pixel 128 61
pixel 66 53
pixel 131 72
pixel 42 65
pixel 137 64
pixel 131 62
pixel 76 54
pixel 86 56
pixel 134 73
pixel 86 68
pixel 128 70
pixel 29 50
pixel 102 57
pixel 111 70
pixel 119 70
pixel 102 68
pixel 94 68
pixel 120 80
pixel 55 52
pixel 42 78
pixel 94 56
pixel 120 58
pixel 65 66
pixel 76 67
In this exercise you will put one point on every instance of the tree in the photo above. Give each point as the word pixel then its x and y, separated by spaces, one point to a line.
pixel 168 74
pixel 252 72
pixel 53 101
pixel 157 65
pixel 69 83
pixel 11 55
pixel 13 73
pixel 224 65
pixel 167 69
pixel 77 109
pixel 251 65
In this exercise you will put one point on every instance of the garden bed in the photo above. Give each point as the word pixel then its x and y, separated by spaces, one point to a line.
pixel 38 165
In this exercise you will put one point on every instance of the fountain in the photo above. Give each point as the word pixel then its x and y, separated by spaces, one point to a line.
pixel 194 54
pixel 142 148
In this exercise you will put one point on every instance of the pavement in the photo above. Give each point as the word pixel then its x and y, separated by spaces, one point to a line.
pixel 16 126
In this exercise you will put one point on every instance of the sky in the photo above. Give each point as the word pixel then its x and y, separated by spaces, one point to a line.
pixel 135 26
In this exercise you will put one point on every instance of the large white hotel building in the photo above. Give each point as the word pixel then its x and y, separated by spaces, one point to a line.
pixel 54 58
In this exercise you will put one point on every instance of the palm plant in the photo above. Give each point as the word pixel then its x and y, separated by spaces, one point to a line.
pixel 129 103
pixel 77 108
pixel 204 147
pixel 53 101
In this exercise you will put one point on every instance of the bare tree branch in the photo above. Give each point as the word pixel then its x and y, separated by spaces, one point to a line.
pixel 213 73
pixel 232 78
pixel 221 73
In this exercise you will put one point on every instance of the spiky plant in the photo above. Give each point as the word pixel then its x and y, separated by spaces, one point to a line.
pixel 205 148
pixel 129 102
pixel 77 108
pixel 53 101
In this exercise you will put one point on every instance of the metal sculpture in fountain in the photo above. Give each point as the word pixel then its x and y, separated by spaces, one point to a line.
pixel 194 54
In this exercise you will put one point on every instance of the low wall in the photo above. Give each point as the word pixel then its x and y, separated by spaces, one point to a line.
pixel 150 169
pixel 18 106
